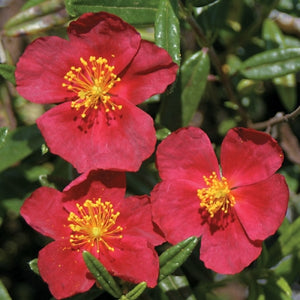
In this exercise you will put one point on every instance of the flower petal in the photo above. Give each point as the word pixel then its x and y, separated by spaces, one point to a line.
pixel 133 260
pixel 249 156
pixel 108 36
pixel 44 212
pixel 150 72
pixel 186 154
pixel 175 209
pixel 41 69
pixel 228 251
pixel 261 207
pixel 136 216
pixel 119 144
pixel 64 270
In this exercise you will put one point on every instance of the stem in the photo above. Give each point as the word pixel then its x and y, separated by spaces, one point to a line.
pixel 279 118
pixel 216 62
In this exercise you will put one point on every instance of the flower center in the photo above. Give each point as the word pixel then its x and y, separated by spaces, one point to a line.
pixel 92 83
pixel 95 225
pixel 216 196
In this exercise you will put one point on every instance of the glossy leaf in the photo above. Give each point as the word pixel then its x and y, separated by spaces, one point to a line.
pixel 102 276
pixel 200 3
pixel 174 257
pixel 285 85
pixel 37 25
pixel 136 12
pixel 288 243
pixel 271 63
pixel 8 72
pixel 3 135
pixel 3 292
pixel 19 144
pixel 177 287
pixel 135 292
pixel 34 266
pixel 167 30
pixel 194 77
pixel 33 12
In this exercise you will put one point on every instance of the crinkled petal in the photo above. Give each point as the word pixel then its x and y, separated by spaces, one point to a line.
pixel 107 36
pixel 249 156
pixel 186 154
pixel 228 251
pixel 175 209
pixel 98 142
pixel 150 72
pixel 64 270
pixel 44 212
pixel 134 260
pixel 136 216
pixel 261 207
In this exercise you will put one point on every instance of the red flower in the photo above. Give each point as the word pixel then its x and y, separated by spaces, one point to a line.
pixel 99 76
pixel 234 209
pixel 91 214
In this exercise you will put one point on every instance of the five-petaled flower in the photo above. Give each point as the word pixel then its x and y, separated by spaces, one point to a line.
pixel 234 209
pixel 98 77
pixel 92 214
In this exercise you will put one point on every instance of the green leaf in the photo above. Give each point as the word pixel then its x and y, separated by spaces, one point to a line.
pixel 285 85
pixel 167 30
pixel 135 292
pixel 3 292
pixel 271 63
pixel 194 77
pixel 136 12
pixel 200 3
pixel 8 72
pixel 277 288
pixel 44 8
pixel 177 287
pixel 106 281
pixel 34 266
pixel 175 256
pixel 19 144
pixel 288 243
pixel 3 135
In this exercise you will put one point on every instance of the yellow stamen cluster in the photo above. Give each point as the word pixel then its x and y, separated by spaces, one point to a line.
pixel 216 196
pixel 95 225
pixel 92 83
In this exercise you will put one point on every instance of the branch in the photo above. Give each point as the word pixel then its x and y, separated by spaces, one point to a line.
pixel 278 118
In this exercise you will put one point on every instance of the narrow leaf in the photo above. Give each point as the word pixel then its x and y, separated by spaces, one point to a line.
pixel 106 281
pixel 271 63
pixel 175 256
pixel 167 30
pixel 177 287
pixel 200 3
pixel 136 12
pixel 34 266
pixel 3 135
pixel 8 72
pixel 31 13
pixel 3 292
pixel 19 144
pixel 194 77
pixel 135 292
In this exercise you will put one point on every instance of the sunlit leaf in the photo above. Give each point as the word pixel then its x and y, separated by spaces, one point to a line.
pixel 34 266
pixel 271 63
pixel 135 292
pixel 167 30
pixel 3 292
